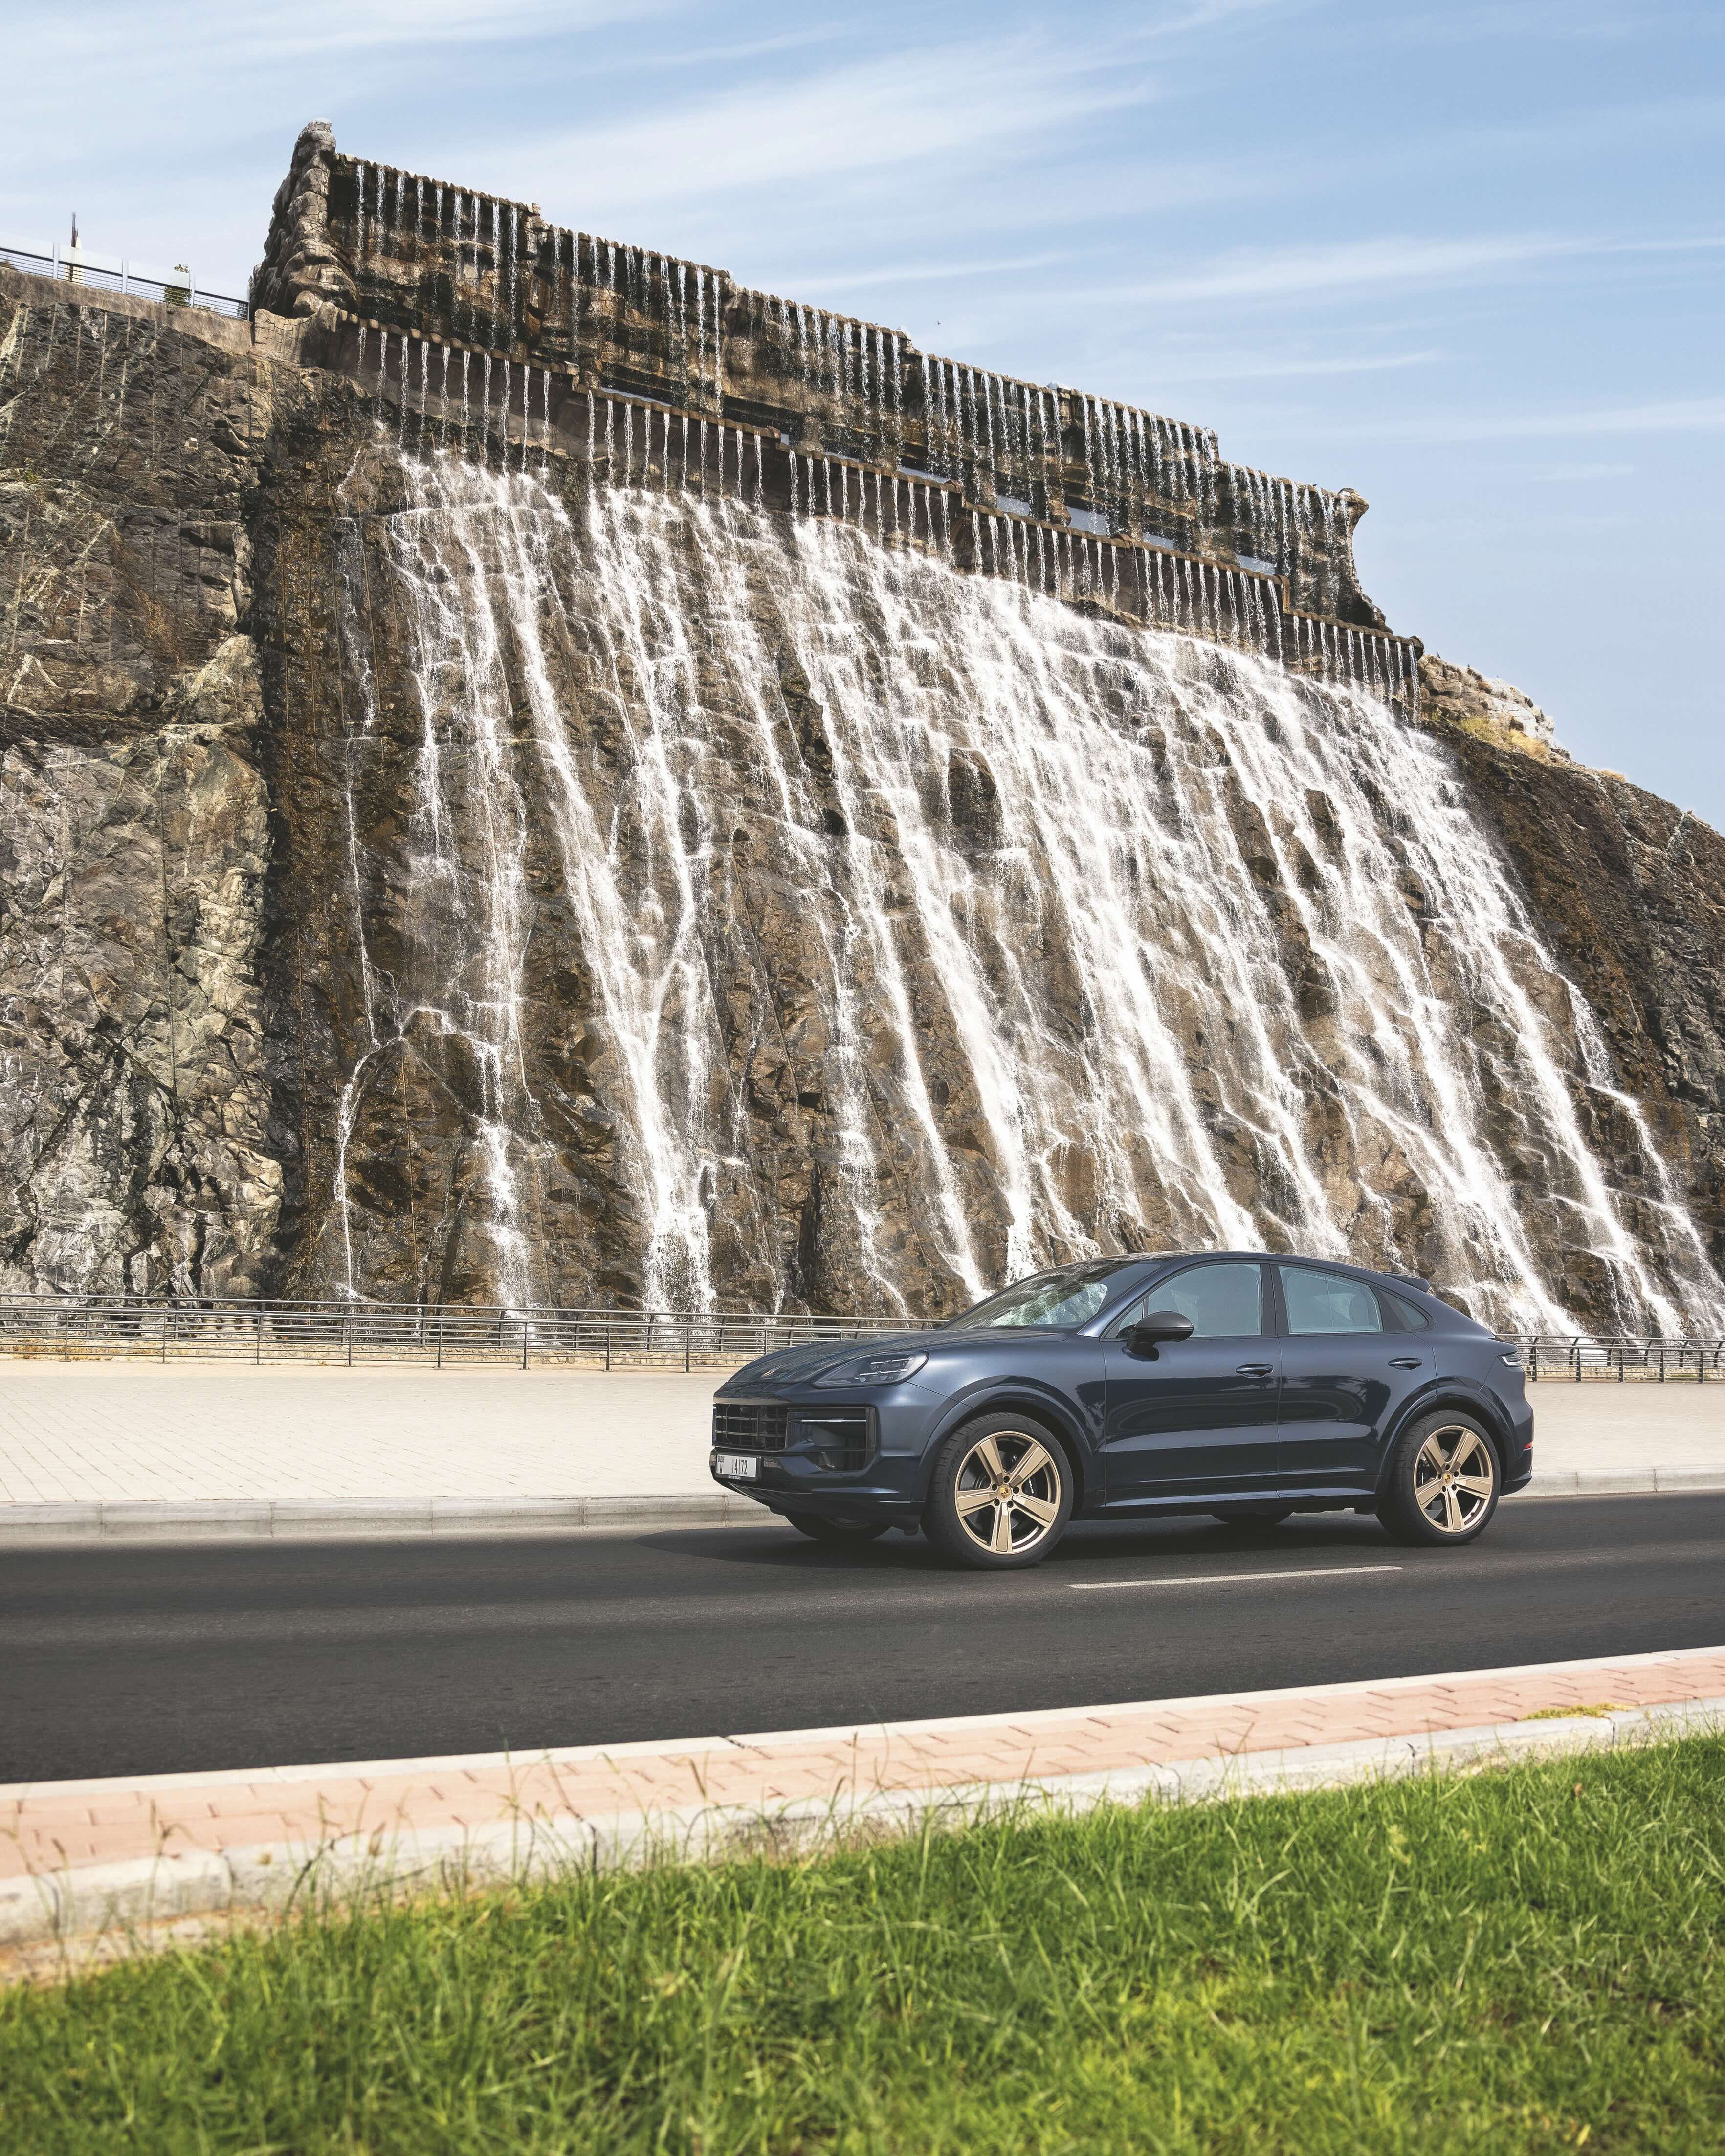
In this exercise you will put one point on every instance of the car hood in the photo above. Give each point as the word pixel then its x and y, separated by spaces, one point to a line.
pixel 796 1366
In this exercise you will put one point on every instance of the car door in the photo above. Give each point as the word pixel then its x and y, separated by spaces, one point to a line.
pixel 1200 1419
pixel 1346 1365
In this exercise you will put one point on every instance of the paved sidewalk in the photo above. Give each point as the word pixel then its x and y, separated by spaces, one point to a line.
pixel 134 1447
pixel 75 1855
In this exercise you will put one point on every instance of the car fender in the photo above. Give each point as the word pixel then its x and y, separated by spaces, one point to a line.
pixel 1034 1397
pixel 1450 1391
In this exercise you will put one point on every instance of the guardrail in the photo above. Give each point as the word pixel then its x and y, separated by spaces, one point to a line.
pixel 109 273
pixel 1629 1358
pixel 165 1328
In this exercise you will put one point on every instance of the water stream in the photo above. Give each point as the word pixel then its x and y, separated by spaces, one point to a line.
pixel 1043 935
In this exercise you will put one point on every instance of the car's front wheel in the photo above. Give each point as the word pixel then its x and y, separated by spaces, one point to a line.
pixel 1442 1482
pixel 1001 1495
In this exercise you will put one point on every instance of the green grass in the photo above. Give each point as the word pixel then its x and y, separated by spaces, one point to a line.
pixel 1532 1959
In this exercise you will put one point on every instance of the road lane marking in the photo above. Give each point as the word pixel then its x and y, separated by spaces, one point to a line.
pixel 1230 1578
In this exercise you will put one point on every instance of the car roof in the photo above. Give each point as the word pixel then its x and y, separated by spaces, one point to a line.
pixel 1402 1280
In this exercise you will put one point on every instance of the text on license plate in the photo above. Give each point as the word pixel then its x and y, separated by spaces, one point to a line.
pixel 739 1466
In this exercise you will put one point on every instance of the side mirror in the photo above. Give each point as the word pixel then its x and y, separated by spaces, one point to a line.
pixel 1153 1328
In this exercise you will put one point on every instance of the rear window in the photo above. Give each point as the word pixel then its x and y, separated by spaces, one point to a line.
pixel 1328 1302
pixel 1408 1316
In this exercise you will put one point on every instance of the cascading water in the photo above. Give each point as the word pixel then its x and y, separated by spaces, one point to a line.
pixel 1052 936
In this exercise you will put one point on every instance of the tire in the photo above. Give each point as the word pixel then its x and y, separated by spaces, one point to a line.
pixel 1443 1481
pixel 1253 1516
pixel 1001 1493
pixel 831 1531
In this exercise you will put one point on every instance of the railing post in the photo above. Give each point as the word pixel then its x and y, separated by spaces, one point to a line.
pixel 688 1342
pixel 524 1343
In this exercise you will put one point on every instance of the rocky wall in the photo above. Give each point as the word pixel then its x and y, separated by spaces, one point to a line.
pixel 138 1149
pixel 431 259
pixel 236 1057
pixel 1630 892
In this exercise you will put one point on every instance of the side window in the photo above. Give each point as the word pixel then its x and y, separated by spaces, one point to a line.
pixel 1326 1302
pixel 1224 1302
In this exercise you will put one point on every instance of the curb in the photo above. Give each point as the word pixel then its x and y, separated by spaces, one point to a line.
pixel 1625 1482
pixel 169 1521
pixel 124 1897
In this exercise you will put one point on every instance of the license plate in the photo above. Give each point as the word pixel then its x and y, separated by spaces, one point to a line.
pixel 737 1466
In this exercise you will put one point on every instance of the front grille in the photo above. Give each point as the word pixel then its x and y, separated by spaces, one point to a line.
pixel 842 1438
pixel 747 1426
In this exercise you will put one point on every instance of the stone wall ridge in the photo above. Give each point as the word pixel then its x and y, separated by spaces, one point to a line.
pixel 431 180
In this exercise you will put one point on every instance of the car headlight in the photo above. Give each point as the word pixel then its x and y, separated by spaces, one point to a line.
pixel 873 1370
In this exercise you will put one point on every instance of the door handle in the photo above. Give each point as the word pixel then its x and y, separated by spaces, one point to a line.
pixel 1257 1370
pixel 1404 1362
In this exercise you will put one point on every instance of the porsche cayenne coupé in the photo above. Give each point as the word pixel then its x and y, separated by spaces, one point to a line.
pixel 1239 1383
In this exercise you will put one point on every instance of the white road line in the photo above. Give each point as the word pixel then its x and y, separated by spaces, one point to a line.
pixel 1229 1579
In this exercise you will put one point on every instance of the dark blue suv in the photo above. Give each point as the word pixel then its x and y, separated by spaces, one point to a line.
pixel 1236 1383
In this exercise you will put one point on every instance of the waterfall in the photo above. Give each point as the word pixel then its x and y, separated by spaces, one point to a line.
pixel 1035 935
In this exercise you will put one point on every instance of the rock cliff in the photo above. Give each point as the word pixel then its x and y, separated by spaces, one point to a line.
pixel 455 848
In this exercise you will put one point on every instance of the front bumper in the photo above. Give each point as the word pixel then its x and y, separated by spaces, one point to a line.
pixel 805 1470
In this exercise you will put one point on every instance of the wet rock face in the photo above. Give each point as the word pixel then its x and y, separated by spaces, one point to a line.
pixel 420 879
pixel 1631 891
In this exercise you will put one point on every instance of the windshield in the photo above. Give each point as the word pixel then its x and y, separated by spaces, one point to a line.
pixel 1071 1295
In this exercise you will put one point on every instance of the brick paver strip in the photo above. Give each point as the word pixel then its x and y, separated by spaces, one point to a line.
pixel 50 1827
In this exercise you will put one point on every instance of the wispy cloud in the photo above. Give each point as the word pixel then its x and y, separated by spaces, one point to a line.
pixel 204 37
pixel 912 107
pixel 1376 264
pixel 1279 370
pixel 1575 474
pixel 926 273
pixel 1692 415
pixel 1500 21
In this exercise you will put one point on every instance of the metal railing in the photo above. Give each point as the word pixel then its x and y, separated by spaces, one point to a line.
pixel 109 273
pixel 1627 1358
pixel 338 1331
pixel 166 1327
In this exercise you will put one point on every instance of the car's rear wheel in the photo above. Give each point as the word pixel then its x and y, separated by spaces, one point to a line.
pixel 1001 1495
pixel 833 1531
pixel 1443 1482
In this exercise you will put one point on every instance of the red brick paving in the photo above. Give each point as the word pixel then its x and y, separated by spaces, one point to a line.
pixel 46 1827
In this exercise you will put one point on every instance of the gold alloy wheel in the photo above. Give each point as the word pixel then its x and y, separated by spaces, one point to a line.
pixel 1454 1477
pixel 1008 1493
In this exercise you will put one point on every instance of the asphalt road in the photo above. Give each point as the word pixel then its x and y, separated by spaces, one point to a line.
pixel 129 1660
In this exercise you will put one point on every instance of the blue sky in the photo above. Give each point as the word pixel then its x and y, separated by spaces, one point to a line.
pixel 1465 258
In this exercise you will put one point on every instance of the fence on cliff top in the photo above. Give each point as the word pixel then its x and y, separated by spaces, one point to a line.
pixel 164 1328
pixel 110 273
